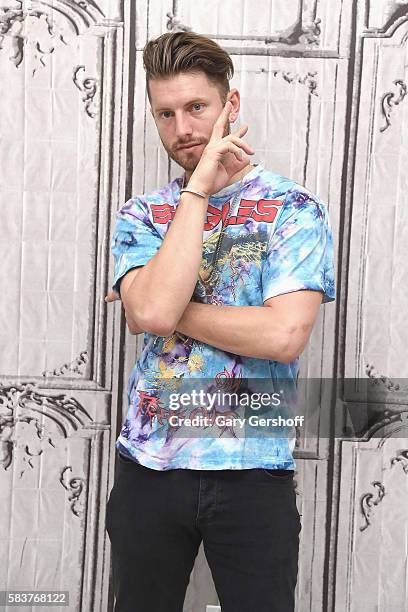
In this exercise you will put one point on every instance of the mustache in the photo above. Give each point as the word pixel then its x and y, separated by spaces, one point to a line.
pixel 188 144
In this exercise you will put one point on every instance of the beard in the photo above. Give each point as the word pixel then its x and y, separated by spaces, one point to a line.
pixel 188 160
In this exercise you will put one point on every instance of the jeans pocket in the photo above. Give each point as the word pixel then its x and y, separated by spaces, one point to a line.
pixel 279 475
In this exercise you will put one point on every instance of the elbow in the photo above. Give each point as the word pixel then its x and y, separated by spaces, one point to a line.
pixel 133 327
pixel 294 344
pixel 159 328
pixel 289 350
pixel 155 324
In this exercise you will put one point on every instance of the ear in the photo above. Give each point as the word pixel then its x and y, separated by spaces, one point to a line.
pixel 234 97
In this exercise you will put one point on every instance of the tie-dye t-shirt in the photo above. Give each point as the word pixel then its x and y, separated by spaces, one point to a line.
pixel 277 239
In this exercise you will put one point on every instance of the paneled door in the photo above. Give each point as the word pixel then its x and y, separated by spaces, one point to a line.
pixel 370 498
pixel 60 170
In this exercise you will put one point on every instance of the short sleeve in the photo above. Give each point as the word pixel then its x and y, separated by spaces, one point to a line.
pixel 300 251
pixel 135 239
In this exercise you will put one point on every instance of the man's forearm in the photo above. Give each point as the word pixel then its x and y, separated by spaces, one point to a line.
pixel 162 289
pixel 250 331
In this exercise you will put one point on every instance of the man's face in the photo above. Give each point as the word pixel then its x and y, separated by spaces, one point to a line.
pixel 185 108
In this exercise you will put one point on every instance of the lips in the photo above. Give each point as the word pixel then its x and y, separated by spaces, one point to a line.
pixel 190 146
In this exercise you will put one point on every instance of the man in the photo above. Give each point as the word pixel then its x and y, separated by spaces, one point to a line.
pixel 225 279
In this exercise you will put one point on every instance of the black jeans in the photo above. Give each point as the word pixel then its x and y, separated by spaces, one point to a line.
pixel 248 522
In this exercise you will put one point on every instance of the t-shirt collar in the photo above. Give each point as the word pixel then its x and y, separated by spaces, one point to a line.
pixel 230 190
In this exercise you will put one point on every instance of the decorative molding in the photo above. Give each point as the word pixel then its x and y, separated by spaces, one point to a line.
pixel 382 380
pixel 76 486
pixel 368 502
pixel 388 418
pixel 12 25
pixel 80 14
pixel 175 25
pixel 397 13
pixel 8 18
pixel 402 458
pixel 381 417
pixel 395 10
pixel 86 5
pixel 73 367
pixel 390 99
pixel 307 79
pixel 88 86
pixel 305 33
pixel 64 411
pixel 77 16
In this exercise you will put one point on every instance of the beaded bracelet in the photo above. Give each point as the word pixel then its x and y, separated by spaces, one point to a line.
pixel 191 190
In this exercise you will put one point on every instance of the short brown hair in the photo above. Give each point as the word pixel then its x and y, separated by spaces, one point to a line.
pixel 176 52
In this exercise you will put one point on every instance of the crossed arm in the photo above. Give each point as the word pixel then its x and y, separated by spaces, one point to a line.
pixel 156 296
pixel 278 330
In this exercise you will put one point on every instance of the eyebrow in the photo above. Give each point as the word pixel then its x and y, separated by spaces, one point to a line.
pixel 195 101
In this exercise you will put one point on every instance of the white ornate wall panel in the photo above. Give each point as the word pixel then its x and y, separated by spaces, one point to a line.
pixel 277 27
pixel 53 197
pixel 377 285
pixel 373 532
pixel 384 15
pixel 60 163
pixel 369 541
pixel 323 87
pixel 52 481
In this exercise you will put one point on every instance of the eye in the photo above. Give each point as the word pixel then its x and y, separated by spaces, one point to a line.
pixel 197 104
pixel 165 114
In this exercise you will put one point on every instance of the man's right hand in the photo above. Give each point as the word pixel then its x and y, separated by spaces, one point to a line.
pixel 222 157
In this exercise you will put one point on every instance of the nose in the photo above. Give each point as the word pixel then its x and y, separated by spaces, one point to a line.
pixel 183 126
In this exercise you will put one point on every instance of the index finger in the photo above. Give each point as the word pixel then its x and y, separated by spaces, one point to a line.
pixel 220 124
